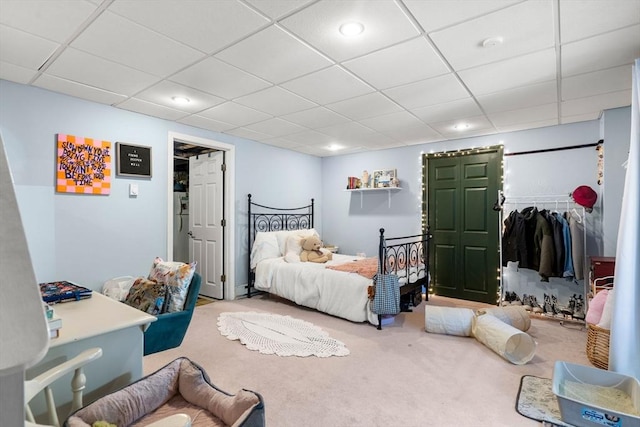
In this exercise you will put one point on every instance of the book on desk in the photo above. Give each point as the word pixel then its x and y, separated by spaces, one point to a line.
pixel 63 291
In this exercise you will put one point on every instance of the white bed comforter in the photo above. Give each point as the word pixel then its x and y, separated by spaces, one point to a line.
pixel 312 285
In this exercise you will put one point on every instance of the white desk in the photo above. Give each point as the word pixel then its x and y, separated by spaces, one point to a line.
pixel 98 321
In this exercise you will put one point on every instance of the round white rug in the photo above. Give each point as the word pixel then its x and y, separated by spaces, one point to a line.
pixel 281 335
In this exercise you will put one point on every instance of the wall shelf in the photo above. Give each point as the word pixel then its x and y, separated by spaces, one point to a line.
pixel 389 190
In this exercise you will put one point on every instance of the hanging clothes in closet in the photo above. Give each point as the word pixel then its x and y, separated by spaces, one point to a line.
pixel 548 242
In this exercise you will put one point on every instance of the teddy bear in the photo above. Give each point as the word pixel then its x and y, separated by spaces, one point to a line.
pixel 312 252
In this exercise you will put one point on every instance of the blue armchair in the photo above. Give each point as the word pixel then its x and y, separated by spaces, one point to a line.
pixel 170 328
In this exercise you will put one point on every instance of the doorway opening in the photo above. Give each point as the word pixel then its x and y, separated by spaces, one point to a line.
pixel 180 148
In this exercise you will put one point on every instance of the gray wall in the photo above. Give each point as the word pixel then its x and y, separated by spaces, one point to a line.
pixel 90 239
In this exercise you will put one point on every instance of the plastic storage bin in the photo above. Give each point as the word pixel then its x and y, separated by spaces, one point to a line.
pixel 573 384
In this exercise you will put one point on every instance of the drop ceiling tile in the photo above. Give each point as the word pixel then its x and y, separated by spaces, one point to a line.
pixel 614 49
pixel 312 137
pixel 597 83
pixel 248 134
pixel 582 19
pixel 362 107
pixel 594 115
pixel 530 125
pixel 397 65
pixel 436 90
pixel 276 127
pixel 346 131
pixel 162 93
pixel 205 25
pixel 229 81
pixel 401 126
pixel 525 27
pixel 525 115
pixel 78 90
pixel 277 8
pixel 24 49
pixel 315 118
pixel 435 14
pixel 525 70
pixel 52 20
pixel 233 113
pixel 595 104
pixel 135 46
pixel 274 55
pixel 384 23
pixel 87 69
pixel 15 73
pixel 477 125
pixel 281 142
pixel 520 97
pixel 205 123
pixel 276 101
pixel 150 109
pixel 328 85
pixel 457 109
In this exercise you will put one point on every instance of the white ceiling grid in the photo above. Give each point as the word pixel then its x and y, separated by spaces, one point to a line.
pixel 280 72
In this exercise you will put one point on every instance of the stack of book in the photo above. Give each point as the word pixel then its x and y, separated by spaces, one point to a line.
pixel 63 291
pixel 353 182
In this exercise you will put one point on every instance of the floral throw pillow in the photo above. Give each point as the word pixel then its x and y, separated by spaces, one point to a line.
pixel 177 276
pixel 147 295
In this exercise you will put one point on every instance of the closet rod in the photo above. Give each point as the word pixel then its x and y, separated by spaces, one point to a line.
pixel 573 147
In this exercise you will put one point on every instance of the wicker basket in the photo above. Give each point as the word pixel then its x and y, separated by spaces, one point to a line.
pixel 598 346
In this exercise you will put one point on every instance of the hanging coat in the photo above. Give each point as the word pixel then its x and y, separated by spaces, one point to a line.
pixel 539 242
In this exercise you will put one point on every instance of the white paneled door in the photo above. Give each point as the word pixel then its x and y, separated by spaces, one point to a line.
pixel 206 220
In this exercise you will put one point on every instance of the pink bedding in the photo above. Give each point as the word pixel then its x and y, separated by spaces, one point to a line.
pixel 366 267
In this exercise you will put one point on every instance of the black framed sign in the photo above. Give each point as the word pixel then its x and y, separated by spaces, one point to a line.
pixel 133 160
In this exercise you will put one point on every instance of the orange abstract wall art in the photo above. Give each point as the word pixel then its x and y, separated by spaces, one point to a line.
pixel 84 165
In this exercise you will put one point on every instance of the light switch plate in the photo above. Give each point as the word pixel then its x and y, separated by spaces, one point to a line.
pixel 133 190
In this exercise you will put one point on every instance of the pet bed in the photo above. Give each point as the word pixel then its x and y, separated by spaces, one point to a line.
pixel 181 387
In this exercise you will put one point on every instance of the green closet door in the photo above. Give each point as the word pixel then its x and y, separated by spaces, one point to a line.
pixel 462 190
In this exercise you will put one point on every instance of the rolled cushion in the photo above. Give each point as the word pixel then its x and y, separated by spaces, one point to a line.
pixel 516 316
pixel 448 320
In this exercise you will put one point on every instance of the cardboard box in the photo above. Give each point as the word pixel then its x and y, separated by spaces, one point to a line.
pixel 590 397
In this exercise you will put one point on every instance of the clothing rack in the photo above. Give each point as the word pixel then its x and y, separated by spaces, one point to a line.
pixel 556 203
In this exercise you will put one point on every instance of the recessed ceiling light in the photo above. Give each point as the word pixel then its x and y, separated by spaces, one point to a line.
pixel 492 42
pixel 180 100
pixel 334 147
pixel 351 29
pixel 462 126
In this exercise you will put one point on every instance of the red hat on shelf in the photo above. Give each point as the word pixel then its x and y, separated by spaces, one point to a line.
pixel 585 196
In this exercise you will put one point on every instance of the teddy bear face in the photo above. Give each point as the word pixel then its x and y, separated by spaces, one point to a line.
pixel 311 243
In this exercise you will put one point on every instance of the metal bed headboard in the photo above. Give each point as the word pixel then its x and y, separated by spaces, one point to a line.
pixel 267 218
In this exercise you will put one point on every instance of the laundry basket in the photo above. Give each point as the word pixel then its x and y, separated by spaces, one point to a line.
pixel 598 346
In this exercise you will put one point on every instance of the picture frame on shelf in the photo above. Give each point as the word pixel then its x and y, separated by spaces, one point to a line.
pixel 383 178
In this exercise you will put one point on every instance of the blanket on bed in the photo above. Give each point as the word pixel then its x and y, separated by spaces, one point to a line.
pixel 366 267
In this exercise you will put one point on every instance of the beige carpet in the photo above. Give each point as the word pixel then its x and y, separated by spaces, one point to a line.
pixel 399 376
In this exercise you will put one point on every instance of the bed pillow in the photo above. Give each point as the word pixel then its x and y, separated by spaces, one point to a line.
pixel 596 306
pixel 282 236
pixel 265 246
pixel 293 248
pixel 177 276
